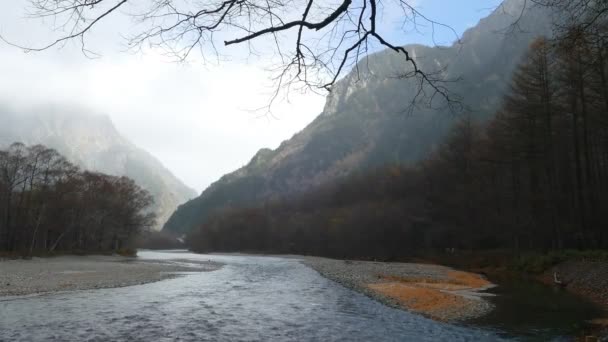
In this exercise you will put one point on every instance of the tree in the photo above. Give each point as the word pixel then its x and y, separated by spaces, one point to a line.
pixel 315 41
pixel 583 13
pixel 532 179
pixel 48 204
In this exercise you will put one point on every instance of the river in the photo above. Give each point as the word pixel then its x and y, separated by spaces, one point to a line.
pixel 251 298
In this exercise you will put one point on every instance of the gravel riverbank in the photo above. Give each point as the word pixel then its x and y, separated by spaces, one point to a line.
pixel 435 291
pixel 65 273
pixel 585 278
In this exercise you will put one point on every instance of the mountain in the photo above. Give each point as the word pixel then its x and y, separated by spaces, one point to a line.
pixel 92 142
pixel 365 122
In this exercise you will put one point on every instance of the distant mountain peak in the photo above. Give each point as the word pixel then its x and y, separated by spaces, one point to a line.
pixel 363 124
pixel 91 141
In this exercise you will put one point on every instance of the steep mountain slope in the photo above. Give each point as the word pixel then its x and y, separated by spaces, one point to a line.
pixel 364 122
pixel 92 142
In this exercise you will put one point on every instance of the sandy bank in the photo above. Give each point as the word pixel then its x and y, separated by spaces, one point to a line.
pixel 438 292
pixel 41 275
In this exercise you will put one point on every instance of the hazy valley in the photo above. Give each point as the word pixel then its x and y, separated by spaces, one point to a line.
pixel 91 141
pixel 452 188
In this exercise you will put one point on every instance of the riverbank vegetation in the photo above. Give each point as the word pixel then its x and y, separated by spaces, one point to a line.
pixel 48 205
pixel 532 179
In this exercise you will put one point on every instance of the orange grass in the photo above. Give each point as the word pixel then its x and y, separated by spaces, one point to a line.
pixel 426 295
pixel 471 280
pixel 456 280
pixel 419 299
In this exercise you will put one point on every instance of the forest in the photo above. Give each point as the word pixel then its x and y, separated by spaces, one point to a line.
pixel 48 205
pixel 532 178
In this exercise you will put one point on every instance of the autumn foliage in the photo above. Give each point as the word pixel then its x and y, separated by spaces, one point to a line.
pixel 535 177
pixel 49 205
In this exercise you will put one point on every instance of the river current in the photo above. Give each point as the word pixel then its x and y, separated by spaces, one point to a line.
pixel 251 298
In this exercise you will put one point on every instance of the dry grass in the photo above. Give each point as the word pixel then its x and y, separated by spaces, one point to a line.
pixel 429 296
pixel 455 280
pixel 428 301
pixel 471 280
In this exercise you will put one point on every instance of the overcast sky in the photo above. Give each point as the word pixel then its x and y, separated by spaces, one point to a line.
pixel 197 117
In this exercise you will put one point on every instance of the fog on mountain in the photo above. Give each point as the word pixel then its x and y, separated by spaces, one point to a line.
pixel 443 193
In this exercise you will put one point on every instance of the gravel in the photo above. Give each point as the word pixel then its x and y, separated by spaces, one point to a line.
pixel 586 278
pixel 356 275
pixel 67 273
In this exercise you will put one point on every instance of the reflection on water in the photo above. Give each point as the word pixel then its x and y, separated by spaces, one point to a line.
pixel 537 312
pixel 249 299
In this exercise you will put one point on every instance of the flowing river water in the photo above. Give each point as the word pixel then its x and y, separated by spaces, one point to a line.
pixel 251 298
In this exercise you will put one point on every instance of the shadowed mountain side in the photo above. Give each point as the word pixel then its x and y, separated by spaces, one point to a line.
pixel 365 122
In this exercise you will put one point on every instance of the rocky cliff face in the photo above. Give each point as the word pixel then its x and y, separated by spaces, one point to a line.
pixel 92 142
pixel 365 123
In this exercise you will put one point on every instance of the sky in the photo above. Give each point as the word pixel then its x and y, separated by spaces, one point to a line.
pixel 198 118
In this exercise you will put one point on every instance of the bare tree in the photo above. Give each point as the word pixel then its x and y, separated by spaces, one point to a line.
pixel 48 204
pixel 314 41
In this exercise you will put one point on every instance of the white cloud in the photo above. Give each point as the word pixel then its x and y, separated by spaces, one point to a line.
pixel 195 118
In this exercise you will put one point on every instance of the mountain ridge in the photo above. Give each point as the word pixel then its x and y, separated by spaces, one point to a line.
pixel 363 122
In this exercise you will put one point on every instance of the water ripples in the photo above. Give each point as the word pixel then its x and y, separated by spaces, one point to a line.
pixel 249 299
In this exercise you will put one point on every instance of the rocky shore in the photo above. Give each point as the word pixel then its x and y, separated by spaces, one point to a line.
pixel 66 273
pixel 588 279
pixel 438 292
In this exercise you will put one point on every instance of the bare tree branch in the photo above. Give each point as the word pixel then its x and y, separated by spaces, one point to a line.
pixel 326 38
pixel 74 33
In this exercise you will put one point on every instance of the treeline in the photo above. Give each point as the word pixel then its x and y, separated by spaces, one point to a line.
pixel 533 178
pixel 369 215
pixel 48 205
pixel 536 176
